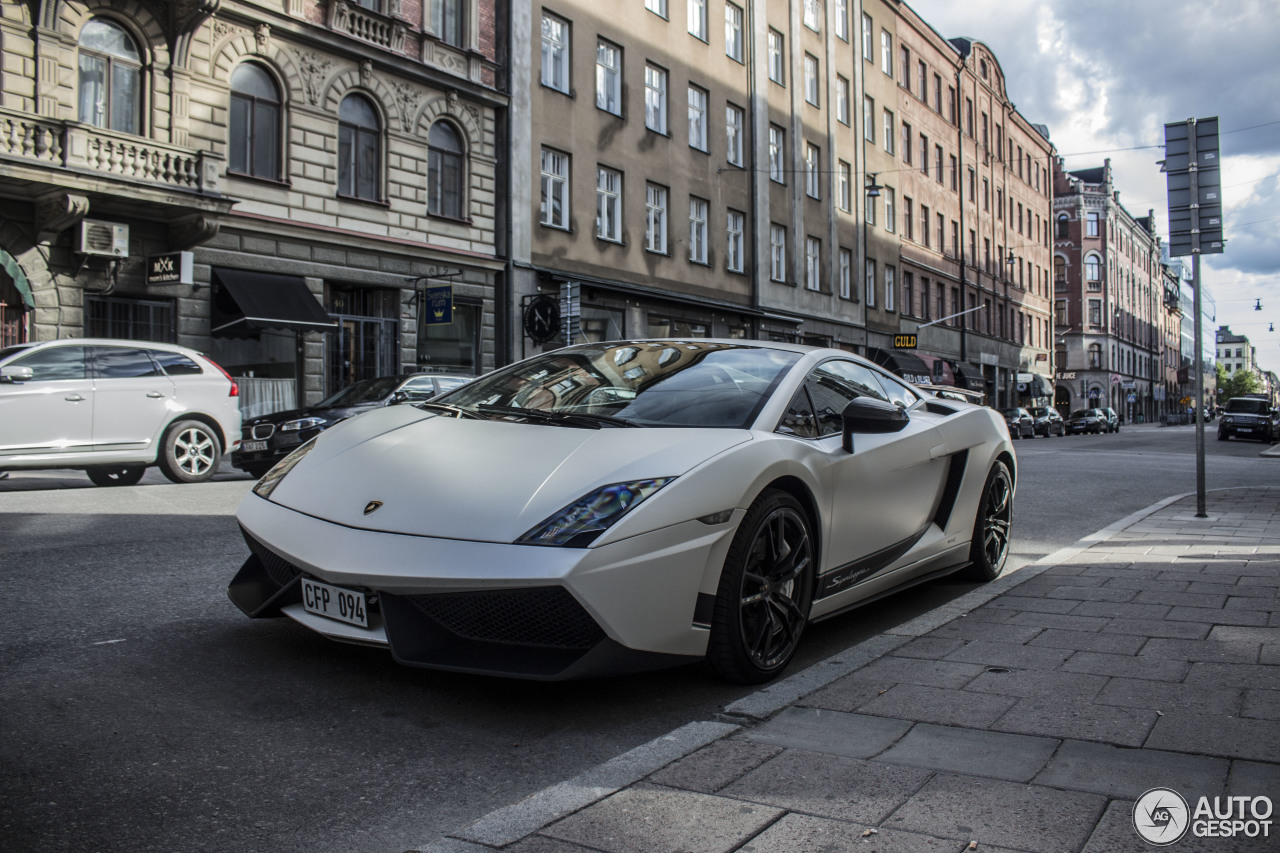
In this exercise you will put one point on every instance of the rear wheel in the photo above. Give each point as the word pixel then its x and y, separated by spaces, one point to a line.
pixel 762 603
pixel 189 452
pixel 115 475
pixel 990 544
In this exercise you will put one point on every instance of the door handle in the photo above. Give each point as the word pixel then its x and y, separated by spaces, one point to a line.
pixel 155 395
pixel 74 398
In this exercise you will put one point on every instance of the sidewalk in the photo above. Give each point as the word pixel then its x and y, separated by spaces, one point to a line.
pixel 1028 715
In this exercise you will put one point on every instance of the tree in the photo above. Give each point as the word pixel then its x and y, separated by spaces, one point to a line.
pixel 1236 384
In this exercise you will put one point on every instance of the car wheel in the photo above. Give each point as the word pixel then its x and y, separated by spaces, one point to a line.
pixel 116 475
pixel 989 547
pixel 762 603
pixel 189 452
pixel 1222 436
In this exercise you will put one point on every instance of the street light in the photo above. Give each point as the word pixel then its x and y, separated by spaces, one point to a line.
pixel 873 189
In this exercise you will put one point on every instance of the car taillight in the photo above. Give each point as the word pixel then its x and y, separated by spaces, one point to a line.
pixel 235 387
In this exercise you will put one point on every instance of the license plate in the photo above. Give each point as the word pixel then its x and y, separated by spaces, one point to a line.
pixel 334 602
pixel 252 446
pixel 1244 429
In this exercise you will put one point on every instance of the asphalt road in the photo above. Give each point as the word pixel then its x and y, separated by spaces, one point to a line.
pixel 139 711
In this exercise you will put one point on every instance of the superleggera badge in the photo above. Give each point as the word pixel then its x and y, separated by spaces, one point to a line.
pixel 372 506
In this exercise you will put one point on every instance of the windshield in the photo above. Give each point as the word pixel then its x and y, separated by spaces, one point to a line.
pixel 362 393
pixel 1040 413
pixel 1013 413
pixel 1085 413
pixel 647 383
pixel 1240 406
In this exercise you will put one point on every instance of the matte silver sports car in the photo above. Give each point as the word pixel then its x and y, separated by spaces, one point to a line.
pixel 616 506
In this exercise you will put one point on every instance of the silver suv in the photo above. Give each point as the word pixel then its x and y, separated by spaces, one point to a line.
pixel 113 408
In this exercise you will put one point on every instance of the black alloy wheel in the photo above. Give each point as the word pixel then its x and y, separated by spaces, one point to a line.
pixel 765 592
pixel 115 475
pixel 991 528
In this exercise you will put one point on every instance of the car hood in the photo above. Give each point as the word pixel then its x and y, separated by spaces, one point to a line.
pixel 333 414
pixel 478 480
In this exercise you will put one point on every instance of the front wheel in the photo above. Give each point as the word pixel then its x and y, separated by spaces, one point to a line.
pixel 116 475
pixel 762 603
pixel 989 548
pixel 189 452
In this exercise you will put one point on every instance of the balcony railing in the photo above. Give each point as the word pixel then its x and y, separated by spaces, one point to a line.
pixel 384 30
pixel 72 145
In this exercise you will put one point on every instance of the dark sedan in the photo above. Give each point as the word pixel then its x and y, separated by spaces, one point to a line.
pixel 1048 422
pixel 1020 423
pixel 267 439
pixel 1088 420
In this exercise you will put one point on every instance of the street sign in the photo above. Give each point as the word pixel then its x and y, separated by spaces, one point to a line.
pixel 1193 164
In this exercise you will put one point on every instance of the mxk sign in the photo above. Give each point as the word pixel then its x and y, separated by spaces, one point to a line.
pixel 173 268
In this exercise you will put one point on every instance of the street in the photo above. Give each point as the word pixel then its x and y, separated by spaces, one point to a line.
pixel 142 711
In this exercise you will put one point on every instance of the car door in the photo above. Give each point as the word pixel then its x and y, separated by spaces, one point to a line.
pixel 884 494
pixel 132 398
pixel 52 412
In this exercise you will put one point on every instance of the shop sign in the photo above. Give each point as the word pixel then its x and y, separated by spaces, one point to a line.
pixel 904 341
pixel 172 268
pixel 439 306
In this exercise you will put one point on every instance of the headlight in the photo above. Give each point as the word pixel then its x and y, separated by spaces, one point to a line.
pixel 301 423
pixel 579 523
pixel 267 484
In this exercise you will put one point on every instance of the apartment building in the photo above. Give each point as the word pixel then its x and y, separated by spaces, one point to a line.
pixel 276 183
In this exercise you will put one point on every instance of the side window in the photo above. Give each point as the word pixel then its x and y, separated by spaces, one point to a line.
pixel 176 364
pixel 798 419
pixel 896 391
pixel 122 363
pixel 54 363
pixel 449 384
pixel 861 379
pixel 420 386
pixel 832 385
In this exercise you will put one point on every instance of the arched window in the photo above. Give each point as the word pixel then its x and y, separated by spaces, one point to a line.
pixel 110 77
pixel 1093 272
pixel 444 171
pixel 359 148
pixel 1063 221
pixel 254 135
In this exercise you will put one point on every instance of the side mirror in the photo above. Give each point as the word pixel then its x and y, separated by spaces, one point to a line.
pixel 398 397
pixel 16 374
pixel 867 414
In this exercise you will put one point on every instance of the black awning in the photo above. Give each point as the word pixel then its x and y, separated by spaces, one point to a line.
pixel 905 364
pixel 969 375
pixel 245 302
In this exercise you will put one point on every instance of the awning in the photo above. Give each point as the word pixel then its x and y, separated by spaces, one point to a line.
pixel 1034 385
pixel 14 269
pixel 969 375
pixel 905 364
pixel 939 369
pixel 245 302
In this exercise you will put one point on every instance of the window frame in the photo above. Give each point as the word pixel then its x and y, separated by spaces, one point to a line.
pixel 556 52
pixel 555 185
pixel 609 78
pixel 699 214
pixel 655 98
pixel 251 148
pixel 608 204
pixel 360 136
pixel 657 207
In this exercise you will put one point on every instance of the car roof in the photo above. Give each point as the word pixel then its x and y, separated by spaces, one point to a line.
pixel 32 346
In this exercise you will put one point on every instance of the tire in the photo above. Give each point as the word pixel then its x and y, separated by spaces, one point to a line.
pixel 762 604
pixel 116 475
pixel 190 452
pixel 1222 436
pixel 989 547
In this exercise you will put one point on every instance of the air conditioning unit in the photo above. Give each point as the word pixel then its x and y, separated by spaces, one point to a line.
pixel 105 239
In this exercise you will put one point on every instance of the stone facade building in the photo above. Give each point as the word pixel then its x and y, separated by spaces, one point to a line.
pixel 321 162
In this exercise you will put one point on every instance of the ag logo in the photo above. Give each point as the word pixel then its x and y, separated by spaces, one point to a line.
pixel 1161 816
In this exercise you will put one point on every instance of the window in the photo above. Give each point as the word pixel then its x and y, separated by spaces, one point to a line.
pixel 1095 312
pixel 937 162
pixel 908 219
pixel 1063 225
pixel 1093 272
pixel 1091 225
pixel 868 118
pixel 955 172
pixel 924 155
pixel 868 48
pixel 698 230
pixel 869 282
pixel 733 31
pixel 110 77
pixel 889 131
pixel 555 189
pixel 908 298
pixel 359 148
pixel 655 98
pixel 1095 350
pixel 844 196
pixel 555 53
pixel 609 77
pixel 973 186
pixel 924 298
pixel 697 118
pixel 444 171
pixel 812 14
pixel 968 117
pixel 812 171
pixel 846 274
pixel 905 79
pixel 447 21
pixel 254 134
pixel 733 120
pixel 657 7
pixel 924 224
pixel 890 211
pixel 986 194
pixel 886 52
pixel 870 211
pixel 777 60
pixel 655 227
pixel 937 93
pixel 116 317
pixel 942 232
pixel 777 252
pixel 777 153
pixel 812 269
pixel 842 100
pixel 842 19
pixel 906 143
pixel 608 204
pixel 922 71
pixel 951 104
pixel 811 79
pixel 697 18
pixel 733 250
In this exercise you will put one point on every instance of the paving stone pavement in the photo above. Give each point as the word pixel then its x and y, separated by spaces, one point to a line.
pixel 1029 715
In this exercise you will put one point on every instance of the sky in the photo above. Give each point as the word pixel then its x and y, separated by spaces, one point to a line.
pixel 1105 76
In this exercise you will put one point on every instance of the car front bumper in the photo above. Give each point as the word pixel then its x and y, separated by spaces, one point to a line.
pixel 517 610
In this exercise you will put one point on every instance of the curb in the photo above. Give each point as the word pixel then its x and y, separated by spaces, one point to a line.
pixel 511 823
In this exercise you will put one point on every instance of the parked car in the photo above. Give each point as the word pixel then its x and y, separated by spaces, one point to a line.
pixel 1113 420
pixel 112 408
pixel 1249 417
pixel 269 438
pixel 1048 422
pixel 1020 422
pixel 636 504
pixel 1087 420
